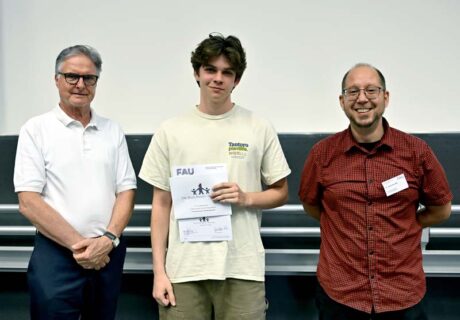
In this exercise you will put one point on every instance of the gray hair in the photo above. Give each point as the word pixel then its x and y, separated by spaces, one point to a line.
pixel 77 50
pixel 381 77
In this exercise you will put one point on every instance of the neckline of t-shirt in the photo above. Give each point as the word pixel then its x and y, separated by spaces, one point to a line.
pixel 218 116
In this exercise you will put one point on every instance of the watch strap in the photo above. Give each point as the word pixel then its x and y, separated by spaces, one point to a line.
pixel 113 238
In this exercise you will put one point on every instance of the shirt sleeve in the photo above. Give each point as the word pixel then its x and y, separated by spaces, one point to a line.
pixel 435 189
pixel 155 168
pixel 274 165
pixel 310 190
pixel 126 177
pixel 29 169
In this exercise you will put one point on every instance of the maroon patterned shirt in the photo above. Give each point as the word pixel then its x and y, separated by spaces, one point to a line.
pixel 370 253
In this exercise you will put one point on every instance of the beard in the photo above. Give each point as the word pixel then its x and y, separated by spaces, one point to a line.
pixel 367 122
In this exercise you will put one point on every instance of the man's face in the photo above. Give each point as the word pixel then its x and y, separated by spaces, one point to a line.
pixel 217 80
pixel 78 95
pixel 364 111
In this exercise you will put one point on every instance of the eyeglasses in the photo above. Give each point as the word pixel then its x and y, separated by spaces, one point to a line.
pixel 73 78
pixel 371 92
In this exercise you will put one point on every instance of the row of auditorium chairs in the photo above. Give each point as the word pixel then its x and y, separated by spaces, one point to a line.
pixel 291 238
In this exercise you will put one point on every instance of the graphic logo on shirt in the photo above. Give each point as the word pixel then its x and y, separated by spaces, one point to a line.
pixel 238 150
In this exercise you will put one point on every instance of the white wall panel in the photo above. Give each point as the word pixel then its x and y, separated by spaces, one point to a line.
pixel 298 51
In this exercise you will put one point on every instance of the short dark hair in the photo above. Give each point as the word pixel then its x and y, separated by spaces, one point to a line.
pixel 381 77
pixel 216 45
pixel 77 50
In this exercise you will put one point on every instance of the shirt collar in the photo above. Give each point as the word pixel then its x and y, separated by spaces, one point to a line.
pixel 386 141
pixel 66 120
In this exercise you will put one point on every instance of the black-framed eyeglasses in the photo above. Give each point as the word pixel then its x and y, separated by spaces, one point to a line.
pixel 371 92
pixel 73 78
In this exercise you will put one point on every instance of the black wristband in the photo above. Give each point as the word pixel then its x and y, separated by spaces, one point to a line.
pixel 113 238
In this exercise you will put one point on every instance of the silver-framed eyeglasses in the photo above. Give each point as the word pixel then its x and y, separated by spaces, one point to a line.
pixel 371 92
pixel 73 78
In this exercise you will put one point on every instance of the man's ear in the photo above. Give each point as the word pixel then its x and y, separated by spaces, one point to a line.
pixel 197 78
pixel 342 102
pixel 386 97
pixel 236 83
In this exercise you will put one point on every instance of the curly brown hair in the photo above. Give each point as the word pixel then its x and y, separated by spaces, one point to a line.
pixel 216 45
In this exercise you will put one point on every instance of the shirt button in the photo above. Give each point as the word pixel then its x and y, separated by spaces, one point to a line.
pixel 371 180
pixel 370 228
pixel 372 276
pixel 371 252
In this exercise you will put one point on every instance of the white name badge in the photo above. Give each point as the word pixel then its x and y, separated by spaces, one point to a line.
pixel 395 184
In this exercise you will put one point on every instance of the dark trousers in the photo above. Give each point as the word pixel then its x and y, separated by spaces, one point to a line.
pixel 329 309
pixel 61 289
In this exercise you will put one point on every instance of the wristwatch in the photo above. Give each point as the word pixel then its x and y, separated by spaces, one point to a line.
pixel 115 240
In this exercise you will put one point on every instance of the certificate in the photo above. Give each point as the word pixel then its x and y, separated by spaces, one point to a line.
pixel 206 229
pixel 191 188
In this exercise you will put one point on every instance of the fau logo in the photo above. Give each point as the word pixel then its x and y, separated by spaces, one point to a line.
pixel 185 171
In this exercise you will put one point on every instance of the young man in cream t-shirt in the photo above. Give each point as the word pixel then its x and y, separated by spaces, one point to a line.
pixel 225 278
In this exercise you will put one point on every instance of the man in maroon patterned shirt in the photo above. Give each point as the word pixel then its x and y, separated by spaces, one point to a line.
pixel 364 185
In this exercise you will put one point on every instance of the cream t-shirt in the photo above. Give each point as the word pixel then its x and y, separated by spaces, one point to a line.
pixel 250 147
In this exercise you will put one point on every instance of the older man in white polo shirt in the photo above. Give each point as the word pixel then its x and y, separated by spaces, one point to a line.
pixel 75 183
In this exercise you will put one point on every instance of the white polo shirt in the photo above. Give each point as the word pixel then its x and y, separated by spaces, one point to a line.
pixel 78 171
